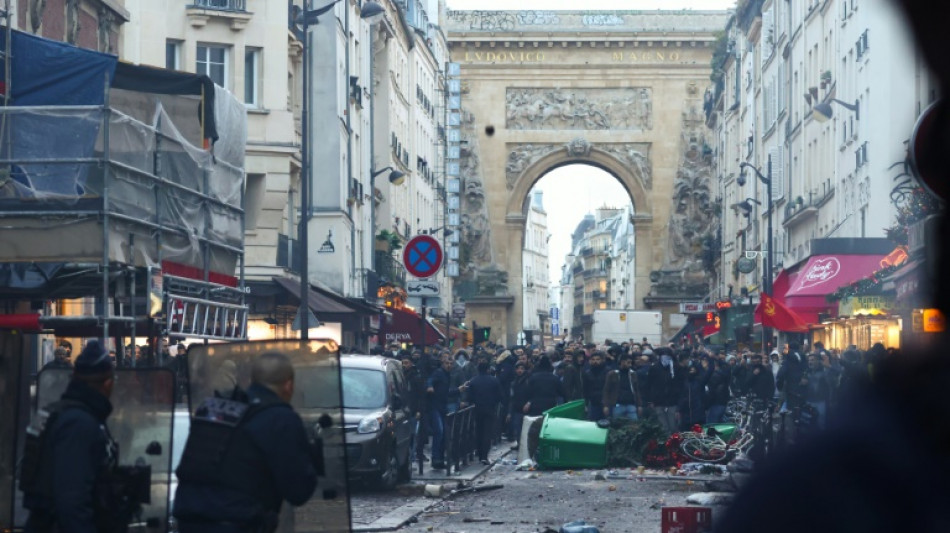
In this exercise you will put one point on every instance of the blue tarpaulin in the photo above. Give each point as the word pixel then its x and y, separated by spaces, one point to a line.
pixel 46 72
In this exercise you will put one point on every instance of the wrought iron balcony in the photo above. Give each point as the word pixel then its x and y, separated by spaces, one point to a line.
pixel 221 5
pixel 389 269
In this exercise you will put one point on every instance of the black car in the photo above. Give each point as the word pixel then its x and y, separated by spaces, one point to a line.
pixel 378 424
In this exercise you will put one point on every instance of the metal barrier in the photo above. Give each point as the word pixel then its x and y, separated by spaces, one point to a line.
pixel 459 439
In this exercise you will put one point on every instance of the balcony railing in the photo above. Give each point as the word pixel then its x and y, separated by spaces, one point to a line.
pixel 390 269
pixel 221 5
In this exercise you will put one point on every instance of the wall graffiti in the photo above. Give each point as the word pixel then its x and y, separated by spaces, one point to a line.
pixel 538 18
pixel 485 20
pixel 603 19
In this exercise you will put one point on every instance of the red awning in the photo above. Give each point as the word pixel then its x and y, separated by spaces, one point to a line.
pixel 405 326
pixel 823 275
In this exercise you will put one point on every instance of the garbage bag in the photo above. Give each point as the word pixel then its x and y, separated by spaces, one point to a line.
pixel 579 526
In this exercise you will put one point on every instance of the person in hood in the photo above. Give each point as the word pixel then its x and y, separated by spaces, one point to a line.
pixel 544 389
pixel 665 383
pixel 485 393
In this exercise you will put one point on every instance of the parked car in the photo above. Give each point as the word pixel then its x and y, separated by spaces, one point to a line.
pixel 377 421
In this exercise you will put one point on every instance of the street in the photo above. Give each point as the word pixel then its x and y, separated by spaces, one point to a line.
pixel 528 502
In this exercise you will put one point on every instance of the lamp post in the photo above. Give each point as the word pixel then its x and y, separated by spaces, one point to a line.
pixel 767 282
pixel 396 177
pixel 305 18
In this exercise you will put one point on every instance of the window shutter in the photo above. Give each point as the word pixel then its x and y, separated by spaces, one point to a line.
pixel 778 172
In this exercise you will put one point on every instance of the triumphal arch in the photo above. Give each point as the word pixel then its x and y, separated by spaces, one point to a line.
pixel 620 90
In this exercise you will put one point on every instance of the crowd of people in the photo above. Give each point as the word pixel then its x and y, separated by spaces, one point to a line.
pixel 680 385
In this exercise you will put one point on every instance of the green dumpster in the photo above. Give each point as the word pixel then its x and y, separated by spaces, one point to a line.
pixel 567 442
pixel 576 410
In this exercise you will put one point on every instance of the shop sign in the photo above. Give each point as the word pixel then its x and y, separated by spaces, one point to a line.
pixel 725 304
pixel 374 322
pixel 696 307
pixel 865 305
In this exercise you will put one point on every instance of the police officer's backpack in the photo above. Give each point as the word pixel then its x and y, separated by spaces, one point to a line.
pixel 33 479
pixel 217 453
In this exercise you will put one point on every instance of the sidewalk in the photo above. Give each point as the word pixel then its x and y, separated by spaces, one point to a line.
pixel 402 515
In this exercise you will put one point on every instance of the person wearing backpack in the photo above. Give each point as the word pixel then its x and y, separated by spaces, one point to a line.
pixel 67 469
pixel 268 459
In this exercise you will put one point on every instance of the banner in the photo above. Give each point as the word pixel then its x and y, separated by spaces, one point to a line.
pixel 772 313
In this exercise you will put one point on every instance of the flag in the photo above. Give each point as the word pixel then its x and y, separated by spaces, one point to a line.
pixel 772 313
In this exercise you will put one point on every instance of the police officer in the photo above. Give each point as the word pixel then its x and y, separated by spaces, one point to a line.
pixel 77 454
pixel 269 460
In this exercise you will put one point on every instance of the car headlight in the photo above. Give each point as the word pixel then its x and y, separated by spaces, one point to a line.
pixel 370 424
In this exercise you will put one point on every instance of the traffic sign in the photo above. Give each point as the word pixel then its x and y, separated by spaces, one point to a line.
pixel 458 310
pixel 422 256
pixel 421 287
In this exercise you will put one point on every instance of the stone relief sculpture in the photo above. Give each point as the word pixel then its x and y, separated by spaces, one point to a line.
pixel 477 256
pixel 521 156
pixel 634 155
pixel 693 217
pixel 625 108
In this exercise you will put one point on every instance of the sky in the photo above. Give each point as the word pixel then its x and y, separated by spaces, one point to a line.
pixel 570 192
pixel 592 4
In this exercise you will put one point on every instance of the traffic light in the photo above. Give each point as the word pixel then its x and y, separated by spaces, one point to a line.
pixel 482 334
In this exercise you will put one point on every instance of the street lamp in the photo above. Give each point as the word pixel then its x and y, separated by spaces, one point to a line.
pixel 767 180
pixel 822 112
pixel 303 20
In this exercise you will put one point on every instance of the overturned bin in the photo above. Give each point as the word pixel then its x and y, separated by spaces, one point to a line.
pixel 567 440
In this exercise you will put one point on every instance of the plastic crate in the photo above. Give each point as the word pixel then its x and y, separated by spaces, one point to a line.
pixel 686 519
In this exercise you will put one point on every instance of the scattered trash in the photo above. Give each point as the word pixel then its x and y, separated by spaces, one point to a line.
pixel 612 488
pixel 599 476
pixel 704 469
pixel 481 488
pixel 578 526
pixel 433 491
pixel 527 464
pixel 469 519
pixel 710 498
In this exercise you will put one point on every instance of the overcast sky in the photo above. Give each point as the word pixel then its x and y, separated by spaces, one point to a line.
pixel 591 4
pixel 571 192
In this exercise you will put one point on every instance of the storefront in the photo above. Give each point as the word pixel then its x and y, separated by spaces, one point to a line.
pixel 862 321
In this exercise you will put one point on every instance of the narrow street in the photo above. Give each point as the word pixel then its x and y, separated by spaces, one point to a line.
pixel 525 501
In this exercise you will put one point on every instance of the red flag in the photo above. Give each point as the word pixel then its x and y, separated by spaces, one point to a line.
pixel 772 313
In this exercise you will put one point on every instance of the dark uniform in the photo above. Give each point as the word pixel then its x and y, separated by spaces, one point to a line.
pixel 78 457
pixel 269 461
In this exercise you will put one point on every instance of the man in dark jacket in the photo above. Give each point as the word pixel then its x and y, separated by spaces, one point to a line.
pixel 693 404
pixel 485 393
pixel 594 379
pixel 78 453
pixel 518 397
pixel 438 390
pixel 622 396
pixel 717 392
pixel 544 388
pixel 789 377
pixel 571 377
pixel 275 464
pixel 665 384
pixel 760 384
pixel 416 384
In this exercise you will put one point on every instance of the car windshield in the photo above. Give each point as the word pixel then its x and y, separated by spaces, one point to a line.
pixel 363 388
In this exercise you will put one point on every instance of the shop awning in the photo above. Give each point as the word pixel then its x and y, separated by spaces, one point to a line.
pixel 823 275
pixel 317 300
pixel 406 326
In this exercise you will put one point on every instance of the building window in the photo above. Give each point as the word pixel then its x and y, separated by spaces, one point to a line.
pixel 212 61
pixel 173 54
pixel 252 76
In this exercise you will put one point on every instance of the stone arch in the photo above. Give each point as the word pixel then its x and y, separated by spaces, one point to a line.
pixel 576 152
pixel 631 180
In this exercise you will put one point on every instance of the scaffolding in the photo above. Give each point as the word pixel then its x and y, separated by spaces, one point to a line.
pixel 125 203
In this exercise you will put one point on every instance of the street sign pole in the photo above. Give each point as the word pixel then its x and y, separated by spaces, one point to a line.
pixel 422 325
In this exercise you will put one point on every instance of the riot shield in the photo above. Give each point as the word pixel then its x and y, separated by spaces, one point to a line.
pixel 14 415
pixel 141 423
pixel 219 367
